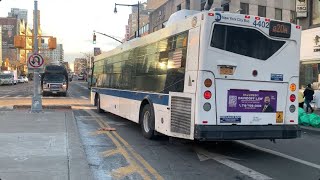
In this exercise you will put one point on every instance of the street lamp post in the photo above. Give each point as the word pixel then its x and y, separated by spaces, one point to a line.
pixel 132 5
pixel 107 36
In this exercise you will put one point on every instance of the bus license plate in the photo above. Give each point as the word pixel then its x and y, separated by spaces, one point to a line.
pixel 279 117
pixel 226 70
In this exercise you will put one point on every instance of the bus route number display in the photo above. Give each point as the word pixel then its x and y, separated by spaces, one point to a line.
pixel 280 29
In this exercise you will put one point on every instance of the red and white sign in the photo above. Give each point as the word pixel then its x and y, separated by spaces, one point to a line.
pixel 35 61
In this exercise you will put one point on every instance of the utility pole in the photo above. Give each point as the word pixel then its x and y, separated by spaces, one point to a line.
pixel 36 99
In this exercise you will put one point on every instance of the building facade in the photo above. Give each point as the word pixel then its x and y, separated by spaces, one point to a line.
pixel 9 28
pixel 19 14
pixel 309 18
pixel 155 4
pixel 133 20
pixel 51 56
pixel 275 9
pixel 80 66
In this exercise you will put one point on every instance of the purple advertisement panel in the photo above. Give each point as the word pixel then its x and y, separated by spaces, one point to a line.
pixel 9 28
pixel 252 101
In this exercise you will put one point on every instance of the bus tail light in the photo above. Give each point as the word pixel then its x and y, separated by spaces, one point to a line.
pixel 211 14
pixel 292 108
pixel 292 97
pixel 207 106
pixel 208 83
pixel 247 17
pixel 205 122
pixel 292 121
pixel 207 95
pixel 293 87
pixel 257 18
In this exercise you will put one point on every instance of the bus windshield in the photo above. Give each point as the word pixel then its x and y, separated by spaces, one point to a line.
pixel 5 76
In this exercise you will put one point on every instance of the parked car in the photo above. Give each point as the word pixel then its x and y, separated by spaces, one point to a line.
pixel 26 80
pixel 80 77
pixel 21 79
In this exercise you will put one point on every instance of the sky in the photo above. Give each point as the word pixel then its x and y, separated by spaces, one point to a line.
pixel 72 22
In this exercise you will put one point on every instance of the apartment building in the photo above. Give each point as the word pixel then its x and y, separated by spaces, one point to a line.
pixel 308 15
pixel 276 9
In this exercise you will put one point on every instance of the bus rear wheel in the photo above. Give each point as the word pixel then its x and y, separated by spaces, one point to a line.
pixel 147 122
pixel 98 103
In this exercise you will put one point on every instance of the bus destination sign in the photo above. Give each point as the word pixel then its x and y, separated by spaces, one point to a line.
pixel 280 29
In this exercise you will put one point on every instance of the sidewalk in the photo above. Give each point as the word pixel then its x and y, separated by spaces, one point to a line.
pixel 38 146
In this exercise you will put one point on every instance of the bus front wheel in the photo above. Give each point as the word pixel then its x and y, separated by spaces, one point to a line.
pixel 147 122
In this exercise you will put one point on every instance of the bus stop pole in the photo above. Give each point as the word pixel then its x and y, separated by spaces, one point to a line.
pixel 36 99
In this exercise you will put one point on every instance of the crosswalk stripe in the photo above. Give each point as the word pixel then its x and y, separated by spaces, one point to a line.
pixel 83 97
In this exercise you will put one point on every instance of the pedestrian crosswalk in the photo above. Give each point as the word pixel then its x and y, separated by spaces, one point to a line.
pixel 47 97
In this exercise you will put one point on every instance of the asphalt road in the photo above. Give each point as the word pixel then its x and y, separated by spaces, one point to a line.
pixel 126 154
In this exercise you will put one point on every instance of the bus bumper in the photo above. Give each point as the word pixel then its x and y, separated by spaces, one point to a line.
pixel 212 133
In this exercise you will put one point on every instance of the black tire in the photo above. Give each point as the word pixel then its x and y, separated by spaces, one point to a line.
pixel 147 122
pixel 98 104
pixel 64 94
pixel 44 94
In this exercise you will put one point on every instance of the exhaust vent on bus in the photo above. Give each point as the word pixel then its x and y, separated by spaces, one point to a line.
pixel 181 115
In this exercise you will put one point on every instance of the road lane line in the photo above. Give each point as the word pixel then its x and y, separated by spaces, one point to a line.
pixel 129 148
pixel 4 96
pixel 280 154
pixel 242 169
pixel 137 156
pixel 225 160
pixel 120 172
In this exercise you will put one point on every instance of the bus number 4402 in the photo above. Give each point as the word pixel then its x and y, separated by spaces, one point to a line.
pixel 261 24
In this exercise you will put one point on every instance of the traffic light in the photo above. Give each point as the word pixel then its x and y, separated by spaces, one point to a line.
pixel 94 38
pixel 52 43
pixel 19 42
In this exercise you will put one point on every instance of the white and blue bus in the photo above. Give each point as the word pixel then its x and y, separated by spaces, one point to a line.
pixel 211 76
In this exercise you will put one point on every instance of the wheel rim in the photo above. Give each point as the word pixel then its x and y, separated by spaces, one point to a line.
pixel 146 118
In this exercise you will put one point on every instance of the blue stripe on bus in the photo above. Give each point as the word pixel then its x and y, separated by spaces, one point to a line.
pixel 162 99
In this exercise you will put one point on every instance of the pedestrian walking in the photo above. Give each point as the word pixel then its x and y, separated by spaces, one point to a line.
pixel 308 95
pixel 300 99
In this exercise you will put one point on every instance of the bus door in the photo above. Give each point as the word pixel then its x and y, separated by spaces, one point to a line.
pixel 253 72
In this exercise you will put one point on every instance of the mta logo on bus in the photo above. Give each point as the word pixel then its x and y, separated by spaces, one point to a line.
pixel 218 17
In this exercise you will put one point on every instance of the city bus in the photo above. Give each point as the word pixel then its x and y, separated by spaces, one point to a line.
pixel 210 76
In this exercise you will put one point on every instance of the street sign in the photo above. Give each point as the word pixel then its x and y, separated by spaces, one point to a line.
pixel 35 61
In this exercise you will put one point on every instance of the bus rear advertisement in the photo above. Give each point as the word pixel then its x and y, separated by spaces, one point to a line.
pixel 211 76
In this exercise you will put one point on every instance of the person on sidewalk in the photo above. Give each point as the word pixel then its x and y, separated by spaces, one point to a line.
pixel 300 99
pixel 308 95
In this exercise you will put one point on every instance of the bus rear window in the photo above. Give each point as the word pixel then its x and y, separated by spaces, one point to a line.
pixel 244 41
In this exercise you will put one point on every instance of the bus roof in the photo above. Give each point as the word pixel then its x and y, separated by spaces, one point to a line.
pixel 270 27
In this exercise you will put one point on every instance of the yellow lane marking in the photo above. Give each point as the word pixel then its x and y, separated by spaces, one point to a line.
pixel 136 155
pixel 121 172
pixel 130 160
pixel 126 155
pixel 140 159
pixel 112 152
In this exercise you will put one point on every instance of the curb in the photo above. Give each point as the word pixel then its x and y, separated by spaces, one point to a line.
pixel 310 129
pixel 66 107
pixel 6 108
